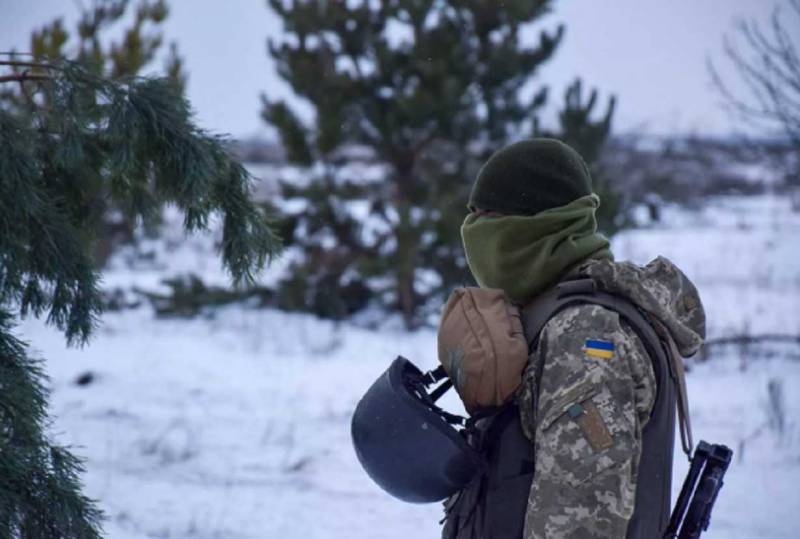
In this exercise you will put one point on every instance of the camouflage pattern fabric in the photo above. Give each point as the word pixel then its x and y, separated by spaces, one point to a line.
pixel 586 423
pixel 585 411
pixel 661 289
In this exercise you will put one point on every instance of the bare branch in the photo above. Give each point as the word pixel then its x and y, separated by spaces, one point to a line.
pixel 750 339
pixel 769 68
pixel 29 65
pixel 22 77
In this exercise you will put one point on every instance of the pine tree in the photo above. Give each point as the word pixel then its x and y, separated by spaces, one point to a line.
pixel 424 90
pixel 589 137
pixel 76 138
pixel 98 52
pixel 92 44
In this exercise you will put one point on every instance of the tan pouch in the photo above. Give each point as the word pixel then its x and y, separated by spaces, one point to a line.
pixel 482 346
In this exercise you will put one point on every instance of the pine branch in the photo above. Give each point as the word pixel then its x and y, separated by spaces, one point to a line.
pixel 96 140
pixel 40 493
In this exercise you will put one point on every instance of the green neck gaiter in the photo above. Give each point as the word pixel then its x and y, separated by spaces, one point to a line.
pixel 525 254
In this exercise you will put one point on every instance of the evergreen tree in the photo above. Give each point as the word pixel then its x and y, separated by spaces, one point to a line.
pixel 589 138
pixel 424 90
pixel 92 44
pixel 74 139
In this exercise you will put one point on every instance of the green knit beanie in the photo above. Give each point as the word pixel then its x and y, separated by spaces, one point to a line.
pixel 531 176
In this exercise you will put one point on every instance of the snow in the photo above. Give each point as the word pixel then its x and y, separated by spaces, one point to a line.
pixel 235 424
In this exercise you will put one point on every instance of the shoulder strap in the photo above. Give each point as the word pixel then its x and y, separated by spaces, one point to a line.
pixel 545 306
pixel 581 291
pixel 676 364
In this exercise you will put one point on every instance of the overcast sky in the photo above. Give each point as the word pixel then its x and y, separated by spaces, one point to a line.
pixel 650 53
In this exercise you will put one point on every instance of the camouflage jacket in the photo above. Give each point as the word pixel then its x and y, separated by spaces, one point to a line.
pixel 586 395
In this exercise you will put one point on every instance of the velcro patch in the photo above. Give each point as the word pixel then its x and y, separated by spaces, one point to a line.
pixel 594 428
pixel 598 349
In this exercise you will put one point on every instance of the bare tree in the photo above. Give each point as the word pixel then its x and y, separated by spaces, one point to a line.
pixel 766 59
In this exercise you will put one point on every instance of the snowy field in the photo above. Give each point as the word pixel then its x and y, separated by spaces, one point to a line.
pixel 236 424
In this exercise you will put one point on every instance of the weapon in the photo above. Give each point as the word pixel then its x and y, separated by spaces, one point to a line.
pixel 692 512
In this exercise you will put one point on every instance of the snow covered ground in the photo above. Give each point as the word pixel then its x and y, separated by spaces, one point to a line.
pixel 236 424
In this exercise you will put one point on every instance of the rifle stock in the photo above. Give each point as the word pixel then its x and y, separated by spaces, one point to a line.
pixel 692 513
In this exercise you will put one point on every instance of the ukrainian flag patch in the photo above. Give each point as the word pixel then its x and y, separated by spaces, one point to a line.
pixel 598 349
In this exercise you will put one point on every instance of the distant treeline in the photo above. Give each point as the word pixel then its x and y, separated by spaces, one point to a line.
pixel 646 168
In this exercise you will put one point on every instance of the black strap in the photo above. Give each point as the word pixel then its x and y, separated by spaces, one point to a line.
pixel 437 393
pixel 431 377
pixel 421 382
pixel 434 376
pixel 545 306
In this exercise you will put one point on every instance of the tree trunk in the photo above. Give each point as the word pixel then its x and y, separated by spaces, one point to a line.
pixel 406 265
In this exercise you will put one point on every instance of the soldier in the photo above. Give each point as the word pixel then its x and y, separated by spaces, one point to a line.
pixel 594 455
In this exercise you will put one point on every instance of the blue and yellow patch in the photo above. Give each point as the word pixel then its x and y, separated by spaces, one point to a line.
pixel 598 349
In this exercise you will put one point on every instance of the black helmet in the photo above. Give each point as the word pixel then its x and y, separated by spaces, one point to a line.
pixel 405 442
